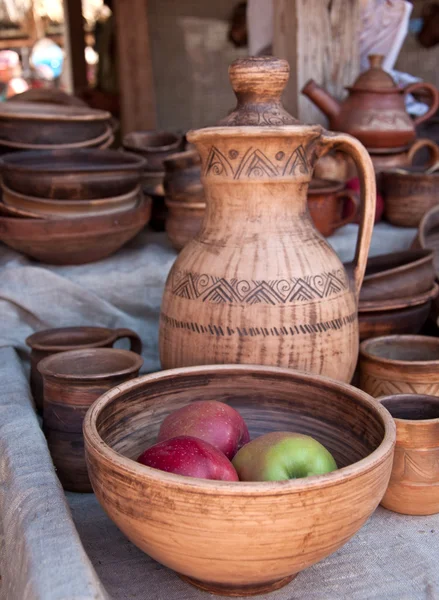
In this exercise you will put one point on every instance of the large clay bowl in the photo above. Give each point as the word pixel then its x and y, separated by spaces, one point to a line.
pixel 414 483
pixel 74 241
pixel 72 174
pixel 391 322
pixel 390 276
pixel 153 145
pixel 99 142
pixel 398 303
pixel 41 123
pixel 400 364
pixel 240 538
pixel 69 209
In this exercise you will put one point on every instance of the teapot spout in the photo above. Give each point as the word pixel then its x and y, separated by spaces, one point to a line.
pixel 322 99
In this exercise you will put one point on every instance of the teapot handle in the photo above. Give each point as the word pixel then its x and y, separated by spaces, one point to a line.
pixel 351 146
pixel 432 92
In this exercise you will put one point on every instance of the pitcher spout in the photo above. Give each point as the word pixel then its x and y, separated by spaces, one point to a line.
pixel 329 105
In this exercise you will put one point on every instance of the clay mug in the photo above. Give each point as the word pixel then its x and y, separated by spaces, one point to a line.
pixel 72 381
pixel 414 482
pixel 327 201
pixel 393 160
pixel 51 341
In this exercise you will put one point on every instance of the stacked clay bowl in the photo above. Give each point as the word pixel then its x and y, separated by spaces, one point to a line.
pixel 71 206
pixel 184 197
pixel 50 126
pixel 240 538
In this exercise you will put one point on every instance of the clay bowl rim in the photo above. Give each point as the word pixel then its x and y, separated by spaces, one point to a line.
pixel 390 151
pixel 85 145
pixel 56 112
pixel 423 228
pixel 425 339
pixel 45 366
pixel 29 341
pixel 185 205
pixel 152 133
pixel 418 398
pixel 134 162
pixel 186 156
pixel 403 302
pixel 333 186
pixel 93 440
pixel 17 213
pixel 425 255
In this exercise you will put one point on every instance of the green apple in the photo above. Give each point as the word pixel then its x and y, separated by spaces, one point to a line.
pixel 282 455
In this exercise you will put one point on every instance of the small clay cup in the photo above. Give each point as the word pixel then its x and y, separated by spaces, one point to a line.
pixel 153 145
pixel 51 341
pixel 183 221
pixel 326 201
pixel 414 482
pixel 72 382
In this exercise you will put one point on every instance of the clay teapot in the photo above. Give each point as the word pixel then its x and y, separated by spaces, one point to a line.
pixel 374 112
pixel 258 284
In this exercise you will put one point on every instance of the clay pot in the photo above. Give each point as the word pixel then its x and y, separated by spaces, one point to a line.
pixel 326 204
pixel 183 221
pixel 388 159
pixel 72 381
pixel 408 320
pixel 258 285
pixel 400 364
pixel 74 241
pixel 182 182
pixel 51 341
pixel 428 235
pixel 153 145
pixel 72 174
pixel 408 195
pixel 414 482
pixel 374 112
pixel 224 552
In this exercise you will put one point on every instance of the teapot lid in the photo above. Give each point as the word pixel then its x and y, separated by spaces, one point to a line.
pixel 258 83
pixel 375 78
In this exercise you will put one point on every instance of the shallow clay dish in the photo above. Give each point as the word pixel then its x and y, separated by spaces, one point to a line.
pixel 390 276
pixel 408 320
pixel 401 302
pixel 99 142
pixel 47 123
pixel 414 483
pixel 72 174
pixel 69 209
pixel 74 241
pixel 400 364
pixel 239 538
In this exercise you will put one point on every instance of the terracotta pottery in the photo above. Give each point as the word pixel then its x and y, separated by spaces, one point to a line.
pixel 74 241
pixel 374 112
pixel 183 221
pixel 326 202
pixel 182 182
pixel 97 142
pixel 388 159
pixel 400 364
pixel 153 145
pixel 398 274
pixel 414 482
pixel 409 320
pixel 238 538
pixel 72 381
pixel 259 284
pixel 400 302
pixel 40 123
pixel 408 195
pixel 51 341
pixel 72 174
pixel 47 95
pixel 10 211
pixel 428 235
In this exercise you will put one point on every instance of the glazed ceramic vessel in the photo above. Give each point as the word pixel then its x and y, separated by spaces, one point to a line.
pixel 259 284
pixel 240 538
pixel 414 482
pixel 374 112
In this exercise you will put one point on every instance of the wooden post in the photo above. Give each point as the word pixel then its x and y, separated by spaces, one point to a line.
pixel 75 44
pixel 136 82
pixel 319 38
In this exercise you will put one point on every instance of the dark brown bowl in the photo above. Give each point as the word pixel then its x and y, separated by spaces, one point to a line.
pixel 41 123
pixel 398 303
pixel 153 145
pixel 388 322
pixel 72 174
pixel 74 241
pixel 428 235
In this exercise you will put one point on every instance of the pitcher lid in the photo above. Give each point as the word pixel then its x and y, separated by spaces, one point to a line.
pixel 375 78
pixel 258 83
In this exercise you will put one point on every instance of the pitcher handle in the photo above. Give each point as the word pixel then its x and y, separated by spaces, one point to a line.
pixel 351 146
pixel 135 341
pixel 433 93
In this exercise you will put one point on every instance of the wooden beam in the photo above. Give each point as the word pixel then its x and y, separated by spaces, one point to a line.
pixel 75 44
pixel 319 38
pixel 136 83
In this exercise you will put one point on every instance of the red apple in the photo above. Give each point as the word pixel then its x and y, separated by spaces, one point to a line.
pixel 190 456
pixel 214 422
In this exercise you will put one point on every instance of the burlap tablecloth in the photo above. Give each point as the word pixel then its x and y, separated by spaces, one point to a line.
pixel 41 555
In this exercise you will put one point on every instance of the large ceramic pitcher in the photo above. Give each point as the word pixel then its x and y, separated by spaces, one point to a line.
pixel 259 284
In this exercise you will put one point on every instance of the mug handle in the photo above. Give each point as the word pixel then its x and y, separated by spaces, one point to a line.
pixel 355 149
pixel 351 196
pixel 433 93
pixel 433 149
pixel 135 341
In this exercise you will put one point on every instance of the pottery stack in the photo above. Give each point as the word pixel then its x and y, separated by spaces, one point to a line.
pixel 184 197
pixel 71 206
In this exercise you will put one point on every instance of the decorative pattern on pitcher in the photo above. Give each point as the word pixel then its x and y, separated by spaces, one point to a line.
pixel 208 288
pixel 255 164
